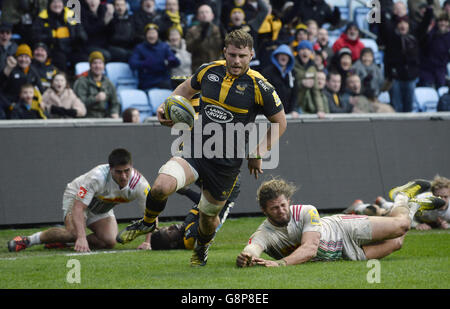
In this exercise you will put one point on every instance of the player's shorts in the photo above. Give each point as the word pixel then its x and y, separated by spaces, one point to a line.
pixel 217 180
pixel 351 231
pixel 69 200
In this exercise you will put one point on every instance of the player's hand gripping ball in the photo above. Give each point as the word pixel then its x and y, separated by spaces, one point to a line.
pixel 178 109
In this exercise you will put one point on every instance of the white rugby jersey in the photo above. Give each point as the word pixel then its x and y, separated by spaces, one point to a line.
pixel 279 242
pixel 101 193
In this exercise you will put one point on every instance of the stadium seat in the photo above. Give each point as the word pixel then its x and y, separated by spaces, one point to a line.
pixel 345 12
pixel 360 17
pixel 160 5
pixel 81 67
pixel 370 43
pixel 121 75
pixel 384 97
pixel 442 90
pixel 157 96
pixel 427 99
pixel 135 98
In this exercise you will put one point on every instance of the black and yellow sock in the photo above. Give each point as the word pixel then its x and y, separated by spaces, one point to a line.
pixel 152 209
pixel 204 239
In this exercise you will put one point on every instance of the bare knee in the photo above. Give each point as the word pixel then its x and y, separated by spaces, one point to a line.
pixel 110 243
pixel 162 188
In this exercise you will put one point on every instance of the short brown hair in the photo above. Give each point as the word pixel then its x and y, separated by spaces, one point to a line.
pixel 272 189
pixel 439 182
pixel 239 38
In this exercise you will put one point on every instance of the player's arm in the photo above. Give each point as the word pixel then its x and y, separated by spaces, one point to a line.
pixel 184 89
pixel 247 257
pixel 79 222
pixel 304 253
pixel 276 130
pixel 147 243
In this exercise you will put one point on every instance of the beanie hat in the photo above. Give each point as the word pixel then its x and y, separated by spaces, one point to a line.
pixel 305 44
pixel 41 44
pixel 237 10
pixel 24 49
pixel 301 27
pixel 151 26
pixel 344 51
pixel 96 55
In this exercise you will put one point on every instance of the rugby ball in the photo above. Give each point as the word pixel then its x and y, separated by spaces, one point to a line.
pixel 178 109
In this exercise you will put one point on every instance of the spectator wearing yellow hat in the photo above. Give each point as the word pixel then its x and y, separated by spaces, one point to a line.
pixel 17 72
pixel 96 91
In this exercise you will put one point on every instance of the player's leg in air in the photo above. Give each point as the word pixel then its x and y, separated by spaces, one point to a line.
pixel 389 232
pixel 173 175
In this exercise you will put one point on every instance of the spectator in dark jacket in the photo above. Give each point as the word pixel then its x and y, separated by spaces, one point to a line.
pixel 17 72
pixel 204 39
pixel 435 51
pixel 172 17
pixel 280 73
pixel 338 103
pixel 153 60
pixel 122 38
pixel 63 36
pixel 145 15
pixel 402 63
pixel 28 104
pixel 43 64
pixel 7 47
pixel 317 10
pixel 95 18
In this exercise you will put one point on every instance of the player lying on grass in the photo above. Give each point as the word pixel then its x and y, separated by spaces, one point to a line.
pixel 88 201
pixel 423 220
pixel 183 235
pixel 295 234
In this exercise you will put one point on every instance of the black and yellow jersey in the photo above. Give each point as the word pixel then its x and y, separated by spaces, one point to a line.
pixel 227 99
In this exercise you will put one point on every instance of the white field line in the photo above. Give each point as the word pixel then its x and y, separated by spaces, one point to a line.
pixel 68 254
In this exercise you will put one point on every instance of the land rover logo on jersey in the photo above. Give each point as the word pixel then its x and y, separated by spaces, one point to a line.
pixel 218 114
pixel 213 77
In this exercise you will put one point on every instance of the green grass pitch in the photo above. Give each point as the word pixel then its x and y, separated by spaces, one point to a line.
pixel 422 263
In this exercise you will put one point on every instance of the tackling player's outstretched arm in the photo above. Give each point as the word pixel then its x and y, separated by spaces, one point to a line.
pixel 247 257
pixel 304 253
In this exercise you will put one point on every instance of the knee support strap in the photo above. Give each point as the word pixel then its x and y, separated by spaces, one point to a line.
pixel 208 208
pixel 174 169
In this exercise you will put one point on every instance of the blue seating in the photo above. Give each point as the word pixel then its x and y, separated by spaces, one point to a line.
pixel 81 67
pixel 360 17
pixel 121 75
pixel 384 97
pixel 135 98
pixel 160 5
pixel 442 90
pixel 157 96
pixel 345 12
pixel 427 99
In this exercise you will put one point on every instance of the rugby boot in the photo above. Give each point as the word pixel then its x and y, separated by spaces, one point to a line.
pixel 18 243
pixel 411 189
pixel 135 229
